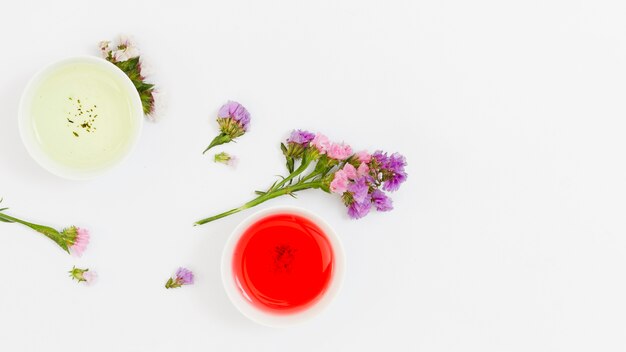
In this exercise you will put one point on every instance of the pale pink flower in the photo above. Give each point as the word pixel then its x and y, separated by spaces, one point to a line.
pixel 90 277
pixel 362 170
pixel 340 182
pixel 80 242
pixel 105 48
pixel 321 142
pixel 339 151
pixel 364 156
pixel 350 171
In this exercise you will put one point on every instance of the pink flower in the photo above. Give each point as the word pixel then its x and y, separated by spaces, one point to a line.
pixel 350 171
pixel 340 182
pixel 362 170
pixel 90 277
pixel 339 151
pixel 363 156
pixel 83 275
pixel 80 242
pixel 321 142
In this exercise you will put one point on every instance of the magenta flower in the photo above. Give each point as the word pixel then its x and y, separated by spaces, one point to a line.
pixel 297 144
pixel 83 275
pixel 233 120
pixel 381 201
pixel 182 277
pixel 235 111
pixel 358 210
pixel 359 190
pixel 301 137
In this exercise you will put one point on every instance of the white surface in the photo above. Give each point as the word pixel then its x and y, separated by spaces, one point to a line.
pixel 508 236
pixel 233 287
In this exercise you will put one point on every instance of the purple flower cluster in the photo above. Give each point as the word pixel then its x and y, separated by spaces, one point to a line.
pixel 360 180
pixel 236 112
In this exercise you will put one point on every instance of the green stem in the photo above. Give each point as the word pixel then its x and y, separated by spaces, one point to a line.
pixel 44 230
pixel 305 164
pixel 220 139
pixel 260 199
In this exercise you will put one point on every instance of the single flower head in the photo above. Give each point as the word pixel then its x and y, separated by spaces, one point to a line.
pixel 233 120
pixel 339 151
pixel 301 137
pixel 339 184
pixel 381 201
pixel 297 143
pixel 182 277
pixel 363 156
pixel 321 142
pixel 105 48
pixel 235 111
pixel 83 275
pixel 359 190
pixel 226 159
pixel 357 210
pixel 350 171
pixel 76 239
pixel 126 50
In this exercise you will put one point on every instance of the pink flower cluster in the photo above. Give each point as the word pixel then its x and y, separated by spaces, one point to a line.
pixel 337 151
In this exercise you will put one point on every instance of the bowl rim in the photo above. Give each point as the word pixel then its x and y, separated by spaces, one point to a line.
pixel 27 135
pixel 276 320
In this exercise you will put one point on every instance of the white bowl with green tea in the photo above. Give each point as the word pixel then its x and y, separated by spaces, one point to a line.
pixel 80 117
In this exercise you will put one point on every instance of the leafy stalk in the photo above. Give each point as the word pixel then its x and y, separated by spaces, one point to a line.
pixel 44 230
pixel 277 192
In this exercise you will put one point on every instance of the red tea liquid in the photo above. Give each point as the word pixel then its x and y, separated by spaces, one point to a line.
pixel 283 263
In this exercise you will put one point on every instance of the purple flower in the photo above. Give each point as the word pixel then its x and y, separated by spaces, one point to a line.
pixel 381 201
pixel 183 277
pixel 394 181
pixel 358 210
pixel 233 120
pixel 359 190
pixel 396 162
pixel 380 158
pixel 235 111
pixel 301 137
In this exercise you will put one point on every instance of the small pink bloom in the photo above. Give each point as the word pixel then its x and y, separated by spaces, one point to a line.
pixel 340 182
pixel 321 142
pixel 364 156
pixel 350 171
pixel 90 277
pixel 362 170
pixel 339 151
pixel 80 242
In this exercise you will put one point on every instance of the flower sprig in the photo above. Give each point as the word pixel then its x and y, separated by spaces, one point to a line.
pixel 233 120
pixel 83 275
pixel 314 162
pixel 182 277
pixel 73 240
pixel 125 55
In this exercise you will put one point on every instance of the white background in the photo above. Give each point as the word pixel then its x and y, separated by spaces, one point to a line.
pixel 508 236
